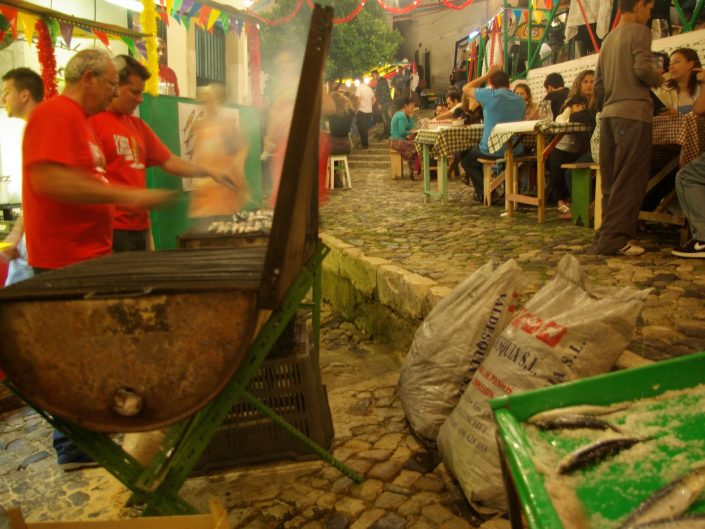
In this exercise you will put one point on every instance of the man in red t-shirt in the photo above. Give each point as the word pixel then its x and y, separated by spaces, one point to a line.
pixel 130 146
pixel 67 201
pixel 168 82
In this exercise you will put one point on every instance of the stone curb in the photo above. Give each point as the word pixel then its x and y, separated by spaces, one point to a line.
pixel 354 282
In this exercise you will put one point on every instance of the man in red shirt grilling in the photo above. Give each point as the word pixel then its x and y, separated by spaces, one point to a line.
pixel 68 204
pixel 130 146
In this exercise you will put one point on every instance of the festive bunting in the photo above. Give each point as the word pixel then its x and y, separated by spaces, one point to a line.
pixel 238 26
pixel 10 14
pixel 66 32
pixel 130 44
pixel 169 6
pixel 148 21
pixel 186 6
pixel 215 15
pixel 205 13
pixel 176 7
pixel 224 22
pixel 518 14
pixel 164 17
pixel 102 37
pixel 27 23
pixel 54 29
pixel 142 48
pixel 47 59
pixel 187 22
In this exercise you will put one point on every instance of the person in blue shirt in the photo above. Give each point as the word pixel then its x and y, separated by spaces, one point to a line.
pixel 499 105
pixel 402 125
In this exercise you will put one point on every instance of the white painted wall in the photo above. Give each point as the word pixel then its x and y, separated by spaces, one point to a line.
pixel 569 70
pixel 438 33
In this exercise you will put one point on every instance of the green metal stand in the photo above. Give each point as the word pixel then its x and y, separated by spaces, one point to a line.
pixel 158 484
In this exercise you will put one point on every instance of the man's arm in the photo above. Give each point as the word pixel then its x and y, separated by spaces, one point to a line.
pixel 699 105
pixel 644 67
pixel 13 238
pixel 74 186
pixel 469 89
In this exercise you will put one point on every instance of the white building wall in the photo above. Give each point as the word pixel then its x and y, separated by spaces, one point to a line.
pixel 438 32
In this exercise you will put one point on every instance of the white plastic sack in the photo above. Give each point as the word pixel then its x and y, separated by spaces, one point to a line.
pixel 563 333
pixel 452 342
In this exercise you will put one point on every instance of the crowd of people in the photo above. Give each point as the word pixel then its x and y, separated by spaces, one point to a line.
pixel 617 103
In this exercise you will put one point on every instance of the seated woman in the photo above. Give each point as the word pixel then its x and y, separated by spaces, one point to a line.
pixel 340 123
pixel 532 109
pixel 402 125
pixel 679 93
pixel 571 146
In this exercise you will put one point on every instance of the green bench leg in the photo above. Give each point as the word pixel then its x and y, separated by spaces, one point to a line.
pixel 582 187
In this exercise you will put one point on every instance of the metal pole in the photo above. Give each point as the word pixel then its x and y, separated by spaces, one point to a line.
pixel 505 35
pixel 681 15
pixel 551 15
pixel 696 13
pixel 528 42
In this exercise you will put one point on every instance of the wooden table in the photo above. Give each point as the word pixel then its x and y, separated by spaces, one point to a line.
pixel 442 143
pixel 504 135
pixel 688 132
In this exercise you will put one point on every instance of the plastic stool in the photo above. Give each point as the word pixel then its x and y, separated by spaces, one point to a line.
pixel 332 161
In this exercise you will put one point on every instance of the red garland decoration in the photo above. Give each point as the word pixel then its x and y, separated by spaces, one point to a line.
pixel 399 10
pixel 450 5
pixel 282 20
pixel 347 18
pixel 47 59
pixel 255 63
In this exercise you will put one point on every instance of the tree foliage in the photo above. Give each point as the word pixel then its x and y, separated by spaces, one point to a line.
pixel 356 47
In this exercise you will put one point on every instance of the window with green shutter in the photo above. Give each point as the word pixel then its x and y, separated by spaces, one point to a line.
pixel 210 56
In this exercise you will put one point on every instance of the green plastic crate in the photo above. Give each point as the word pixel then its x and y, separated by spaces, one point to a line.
pixel 612 499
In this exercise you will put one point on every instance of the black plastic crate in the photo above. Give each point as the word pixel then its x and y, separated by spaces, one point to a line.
pixel 291 386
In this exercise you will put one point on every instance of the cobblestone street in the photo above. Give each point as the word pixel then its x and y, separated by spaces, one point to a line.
pixel 383 221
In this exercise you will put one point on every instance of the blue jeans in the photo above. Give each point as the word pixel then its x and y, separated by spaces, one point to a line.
pixel 19 270
pixel 690 186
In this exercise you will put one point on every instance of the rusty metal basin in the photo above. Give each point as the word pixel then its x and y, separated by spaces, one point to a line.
pixel 126 364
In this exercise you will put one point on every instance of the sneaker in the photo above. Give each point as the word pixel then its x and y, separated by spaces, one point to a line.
pixel 631 250
pixel 690 249
pixel 79 462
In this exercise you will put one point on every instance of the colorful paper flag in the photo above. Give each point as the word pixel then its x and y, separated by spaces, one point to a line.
pixel 176 6
pixel 212 17
pixel 164 16
pixel 102 37
pixel 54 29
pixel 141 47
pixel 225 22
pixel 204 14
pixel 66 32
pixel 130 44
pixel 10 13
pixel 27 23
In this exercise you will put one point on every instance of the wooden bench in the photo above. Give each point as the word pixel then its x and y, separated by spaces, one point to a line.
pixel 490 183
pixel 584 208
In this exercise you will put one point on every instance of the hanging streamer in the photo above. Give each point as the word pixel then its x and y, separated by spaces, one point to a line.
pixel 102 37
pixel 279 21
pixel 148 20
pixel 399 10
pixel 212 18
pixel 47 59
pixel 27 23
pixel 450 5
pixel 66 32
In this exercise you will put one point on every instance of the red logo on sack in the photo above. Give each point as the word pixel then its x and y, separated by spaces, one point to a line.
pixel 548 332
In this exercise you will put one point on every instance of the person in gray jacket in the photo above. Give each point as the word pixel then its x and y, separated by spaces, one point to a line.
pixel 625 73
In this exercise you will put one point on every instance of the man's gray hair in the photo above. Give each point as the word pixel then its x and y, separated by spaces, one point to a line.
pixel 93 60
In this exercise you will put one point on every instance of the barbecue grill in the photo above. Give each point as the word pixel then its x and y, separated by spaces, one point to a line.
pixel 136 341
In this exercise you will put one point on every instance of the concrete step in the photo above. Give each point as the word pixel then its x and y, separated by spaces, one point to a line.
pixel 375 164
pixel 368 157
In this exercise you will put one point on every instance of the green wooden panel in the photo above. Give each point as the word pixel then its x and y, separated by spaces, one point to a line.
pixel 161 114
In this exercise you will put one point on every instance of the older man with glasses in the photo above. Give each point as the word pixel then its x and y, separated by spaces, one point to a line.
pixel 68 204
